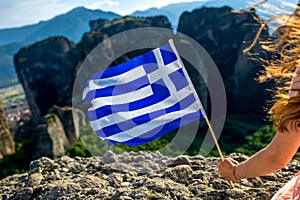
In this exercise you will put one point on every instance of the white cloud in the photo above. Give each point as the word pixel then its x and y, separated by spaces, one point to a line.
pixel 100 4
pixel 129 6
pixel 110 3
pixel 161 3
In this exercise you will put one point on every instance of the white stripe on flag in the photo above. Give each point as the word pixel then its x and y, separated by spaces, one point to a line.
pixel 122 98
pixel 123 116
pixel 140 130
pixel 126 77
pixel 165 70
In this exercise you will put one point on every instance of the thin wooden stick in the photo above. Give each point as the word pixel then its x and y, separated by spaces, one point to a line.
pixel 214 138
pixel 201 107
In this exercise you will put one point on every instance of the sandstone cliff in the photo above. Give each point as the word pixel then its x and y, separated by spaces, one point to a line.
pixel 39 68
pixel 47 70
pixel 224 35
pixel 7 145
pixel 142 175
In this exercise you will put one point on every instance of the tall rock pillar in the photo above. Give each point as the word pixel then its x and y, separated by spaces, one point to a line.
pixel 7 145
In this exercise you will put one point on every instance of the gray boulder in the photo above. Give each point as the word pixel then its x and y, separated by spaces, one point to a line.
pixel 94 178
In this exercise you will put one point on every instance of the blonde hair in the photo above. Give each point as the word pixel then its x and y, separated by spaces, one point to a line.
pixel 285 45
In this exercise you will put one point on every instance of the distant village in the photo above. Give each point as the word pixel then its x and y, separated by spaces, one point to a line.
pixel 16 109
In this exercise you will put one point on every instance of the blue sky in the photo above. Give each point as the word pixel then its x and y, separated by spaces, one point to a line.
pixel 14 13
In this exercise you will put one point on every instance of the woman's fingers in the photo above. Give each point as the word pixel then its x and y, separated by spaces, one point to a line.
pixel 225 168
pixel 229 162
pixel 234 161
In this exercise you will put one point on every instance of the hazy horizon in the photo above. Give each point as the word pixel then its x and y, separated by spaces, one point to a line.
pixel 33 11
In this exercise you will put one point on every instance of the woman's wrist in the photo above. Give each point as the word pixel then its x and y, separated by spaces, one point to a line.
pixel 234 172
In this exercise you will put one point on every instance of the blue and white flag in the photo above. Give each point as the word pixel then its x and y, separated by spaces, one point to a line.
pixel 142 99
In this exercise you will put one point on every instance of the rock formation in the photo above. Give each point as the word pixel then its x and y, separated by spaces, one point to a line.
pixel 49 138
pixel 224 35
pixel 39 68
pixel 72 119
pixel 7 145
pixel 47 71
pixel 142 175
pixel 102 29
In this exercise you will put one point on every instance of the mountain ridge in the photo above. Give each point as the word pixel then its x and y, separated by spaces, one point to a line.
pixel 31 31
pixel 171 11
pixel 75 22
pixel 71 25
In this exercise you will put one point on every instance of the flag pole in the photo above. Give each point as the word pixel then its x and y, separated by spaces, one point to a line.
pixel 171 42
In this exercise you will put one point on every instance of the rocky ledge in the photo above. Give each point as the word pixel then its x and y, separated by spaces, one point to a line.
pixel 143 175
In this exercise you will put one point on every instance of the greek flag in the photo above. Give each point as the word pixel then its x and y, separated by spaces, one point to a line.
pixel 142 99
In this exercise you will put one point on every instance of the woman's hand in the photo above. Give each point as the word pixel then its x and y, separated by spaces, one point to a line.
pixel 226 167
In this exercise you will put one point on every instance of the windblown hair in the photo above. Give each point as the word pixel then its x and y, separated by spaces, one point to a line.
pixel 285 46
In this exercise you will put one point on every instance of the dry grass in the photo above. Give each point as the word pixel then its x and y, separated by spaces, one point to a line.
pixel 9 93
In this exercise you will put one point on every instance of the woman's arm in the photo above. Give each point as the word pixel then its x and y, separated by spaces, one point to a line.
pixel 274 157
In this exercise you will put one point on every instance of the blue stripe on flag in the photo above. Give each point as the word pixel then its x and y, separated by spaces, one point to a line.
pixel 150 67
pixel 161 130
pixel 167 54
pixel 117 89
pixel 160 92
pixel 178 79
pixel 147 58
pixel 97 114
pixel 131 123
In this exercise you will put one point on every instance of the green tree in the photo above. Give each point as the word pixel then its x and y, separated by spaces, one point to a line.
pixel 18 162
pixel 260 139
